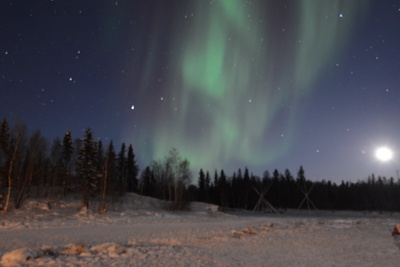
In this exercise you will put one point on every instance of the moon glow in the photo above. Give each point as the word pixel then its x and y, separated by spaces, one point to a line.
pixel 384 154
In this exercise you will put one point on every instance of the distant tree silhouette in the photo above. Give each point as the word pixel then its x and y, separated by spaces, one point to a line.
pixel 224 190
pixel 148 185
pixel 67 162
pixel 207 187
pixel 87 170
pixel 234 194
pixel 54 182
pixel 132 171
pixel 246 187
pixel 216 190
pixel 122 170
pixel 202 186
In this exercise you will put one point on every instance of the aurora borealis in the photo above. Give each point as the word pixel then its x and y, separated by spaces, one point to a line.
pixel 229 83
pixel 237 79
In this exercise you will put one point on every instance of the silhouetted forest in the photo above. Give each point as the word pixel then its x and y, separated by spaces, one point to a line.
pixel 278 192
pixel 32 167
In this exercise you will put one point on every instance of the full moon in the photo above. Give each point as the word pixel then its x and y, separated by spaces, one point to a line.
pixel 384 154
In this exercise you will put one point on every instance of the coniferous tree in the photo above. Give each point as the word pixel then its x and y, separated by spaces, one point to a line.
pixel 238 191
pixel 287 197
pixel 224 190
pixel 255 182
pixel 275 191
pixel 207 187
pixel 66 162
pixel 148 183
pixel 121 159
pixel 201 186
pixel 55 179
pixel 100 157
pixel 246 187
pixel 301 184
pixel 87 168
pixel 132 171
pixel 216 190
pixel 300 175
pixel 233 193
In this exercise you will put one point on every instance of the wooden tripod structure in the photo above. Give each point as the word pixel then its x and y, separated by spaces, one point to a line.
pixel 262 203
pixel 307 198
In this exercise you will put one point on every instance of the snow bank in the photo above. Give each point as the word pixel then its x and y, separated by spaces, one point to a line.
pixel 17 257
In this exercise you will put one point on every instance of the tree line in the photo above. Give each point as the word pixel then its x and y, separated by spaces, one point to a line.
pixel 31 167
pixel 278 192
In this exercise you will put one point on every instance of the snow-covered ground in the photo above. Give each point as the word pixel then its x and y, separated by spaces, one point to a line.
pixel 139 233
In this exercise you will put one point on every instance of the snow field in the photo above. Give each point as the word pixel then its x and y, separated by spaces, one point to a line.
pixel 139 233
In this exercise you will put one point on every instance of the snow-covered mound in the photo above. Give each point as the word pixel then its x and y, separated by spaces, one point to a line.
pixel 136 231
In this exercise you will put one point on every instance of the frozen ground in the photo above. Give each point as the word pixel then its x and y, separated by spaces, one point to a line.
pixel 139 233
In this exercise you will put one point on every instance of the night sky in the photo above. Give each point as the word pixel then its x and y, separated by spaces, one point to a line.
pixel 229 83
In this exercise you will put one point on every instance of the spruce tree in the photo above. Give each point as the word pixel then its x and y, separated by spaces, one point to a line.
pixel 301 179
pixel 122 170
pixel 246 187
pixel 66 159
pixel 148 183
pixel 216 190
pixel 132 171
pixel 208 187
pixel 87 168
pixel 223 186
pixel 202 186
pixel 56 169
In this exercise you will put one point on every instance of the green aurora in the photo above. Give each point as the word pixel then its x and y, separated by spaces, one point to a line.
pixel 237 77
